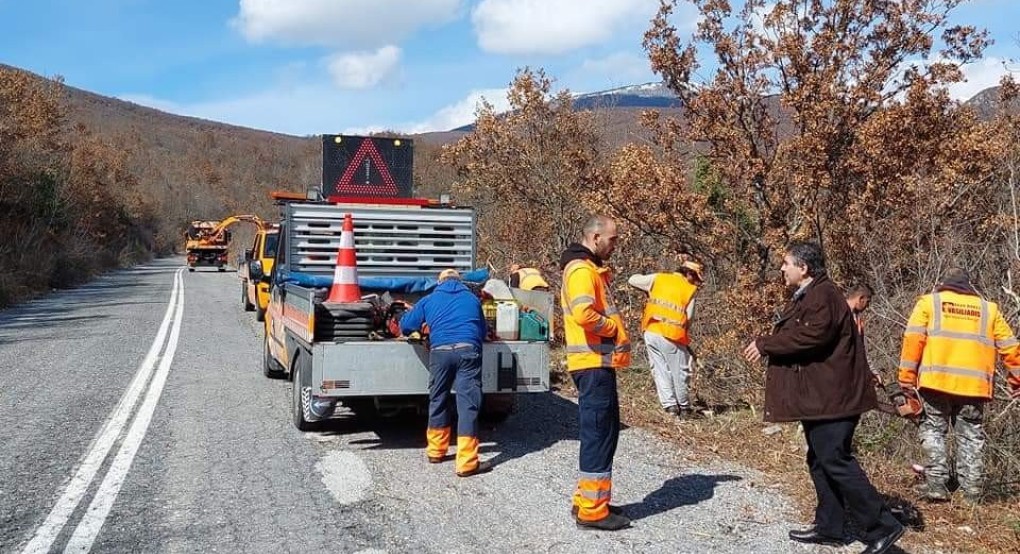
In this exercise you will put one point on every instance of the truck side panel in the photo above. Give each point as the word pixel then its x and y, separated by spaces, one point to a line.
pixel 401 368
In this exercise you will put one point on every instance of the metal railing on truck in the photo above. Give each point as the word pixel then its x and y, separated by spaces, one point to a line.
pixel 391 241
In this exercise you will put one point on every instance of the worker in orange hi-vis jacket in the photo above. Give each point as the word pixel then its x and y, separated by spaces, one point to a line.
pixel 597 345
pixel 948 360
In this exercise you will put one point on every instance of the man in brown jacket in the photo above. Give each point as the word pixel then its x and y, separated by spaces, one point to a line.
pixel 818 375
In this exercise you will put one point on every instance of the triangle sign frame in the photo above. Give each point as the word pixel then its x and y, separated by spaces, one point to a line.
pixel 346 185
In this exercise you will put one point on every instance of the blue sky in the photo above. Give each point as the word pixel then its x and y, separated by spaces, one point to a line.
pixel 324 66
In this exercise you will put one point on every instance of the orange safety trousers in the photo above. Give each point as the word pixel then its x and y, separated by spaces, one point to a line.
pixel 439 445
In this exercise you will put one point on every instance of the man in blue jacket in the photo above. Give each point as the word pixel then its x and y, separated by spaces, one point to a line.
pixel 456 326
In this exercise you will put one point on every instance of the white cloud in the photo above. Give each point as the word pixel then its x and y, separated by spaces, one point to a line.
pixel 151 102
pixel 979 75
pixel 614 70
pixel 462 112
pixel 315 109
pixel 295 110
pixel 360 70
pixel 554 26
pixel 349 23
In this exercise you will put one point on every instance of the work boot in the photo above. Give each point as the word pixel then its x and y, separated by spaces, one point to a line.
pixel 686 412
pixel 932 492
pixel 612 509
pixel 672 410
pixel 482 467
pixel 612 522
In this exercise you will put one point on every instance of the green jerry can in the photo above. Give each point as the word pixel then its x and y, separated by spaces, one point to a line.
pixel 533 327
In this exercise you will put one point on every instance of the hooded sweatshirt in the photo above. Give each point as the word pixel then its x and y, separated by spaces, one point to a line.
pixel 453 314
pixel 578 251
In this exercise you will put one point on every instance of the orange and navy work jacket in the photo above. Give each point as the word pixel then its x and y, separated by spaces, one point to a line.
pixel 666 310
pixel 951 342
pixel 592 326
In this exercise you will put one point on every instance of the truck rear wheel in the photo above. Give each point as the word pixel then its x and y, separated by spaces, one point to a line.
pixel 260 314
pixel 245 301
pixel 270 367
pixel 301 394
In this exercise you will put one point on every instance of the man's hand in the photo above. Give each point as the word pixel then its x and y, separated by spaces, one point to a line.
pixel 751 353
pixel 878 378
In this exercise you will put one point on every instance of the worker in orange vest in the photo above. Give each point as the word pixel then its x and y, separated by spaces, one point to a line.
pixel 597 346
pixel 667 315
pixel 527 278
pixel 948 360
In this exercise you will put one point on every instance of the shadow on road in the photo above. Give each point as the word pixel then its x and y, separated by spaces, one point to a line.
pixel 391 433
pixel 685 490
pixel 541 421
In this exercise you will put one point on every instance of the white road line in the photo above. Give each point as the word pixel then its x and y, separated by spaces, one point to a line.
pixel 107 436
pixel 88 528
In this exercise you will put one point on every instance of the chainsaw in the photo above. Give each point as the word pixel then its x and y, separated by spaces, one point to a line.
pixel 902 402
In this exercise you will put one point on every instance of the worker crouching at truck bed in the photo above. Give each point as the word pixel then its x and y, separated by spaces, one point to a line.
pixel 456 330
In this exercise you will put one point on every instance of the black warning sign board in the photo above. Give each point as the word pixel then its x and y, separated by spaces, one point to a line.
pixel 366 167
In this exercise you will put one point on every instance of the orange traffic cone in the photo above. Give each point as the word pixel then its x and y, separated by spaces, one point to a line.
pixel 345 277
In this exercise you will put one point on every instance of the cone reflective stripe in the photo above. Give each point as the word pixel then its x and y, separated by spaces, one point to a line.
pixel 345 275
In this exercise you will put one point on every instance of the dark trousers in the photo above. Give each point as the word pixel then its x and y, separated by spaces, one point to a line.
pixel 460 369
pixel 599 410
pixel 841 484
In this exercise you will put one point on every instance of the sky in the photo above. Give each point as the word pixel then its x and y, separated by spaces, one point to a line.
pixel 306 67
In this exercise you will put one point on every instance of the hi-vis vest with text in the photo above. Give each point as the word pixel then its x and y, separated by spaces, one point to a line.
pixel 951 342
pixel 666 310
pixel 592 326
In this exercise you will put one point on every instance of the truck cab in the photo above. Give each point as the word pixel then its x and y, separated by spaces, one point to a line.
pixel 256 269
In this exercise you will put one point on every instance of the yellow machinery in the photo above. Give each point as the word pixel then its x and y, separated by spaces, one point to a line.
pixel 206 242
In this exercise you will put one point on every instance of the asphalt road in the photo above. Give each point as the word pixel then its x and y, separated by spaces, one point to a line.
pixel 137 419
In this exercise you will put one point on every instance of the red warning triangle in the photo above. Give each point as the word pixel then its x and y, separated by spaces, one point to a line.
pixel 361 164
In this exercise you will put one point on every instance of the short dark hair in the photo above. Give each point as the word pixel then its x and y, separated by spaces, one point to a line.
pixel 595 224
pixel 957 275
pixel 860 289
pixel 810 254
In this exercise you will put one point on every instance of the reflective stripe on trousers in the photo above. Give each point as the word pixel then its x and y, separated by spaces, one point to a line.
pixel 599 414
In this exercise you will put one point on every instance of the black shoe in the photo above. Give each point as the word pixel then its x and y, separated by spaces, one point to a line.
pixel 812 536
pixel 672 410
pixel 884 543
pixel 612 522
pixel 612 509
pixel 482 467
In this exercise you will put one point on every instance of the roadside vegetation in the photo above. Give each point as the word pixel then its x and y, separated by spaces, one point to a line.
pixel 89 183
pixel 826 120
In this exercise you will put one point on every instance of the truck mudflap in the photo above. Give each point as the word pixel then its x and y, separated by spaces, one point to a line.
pixel 383 368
